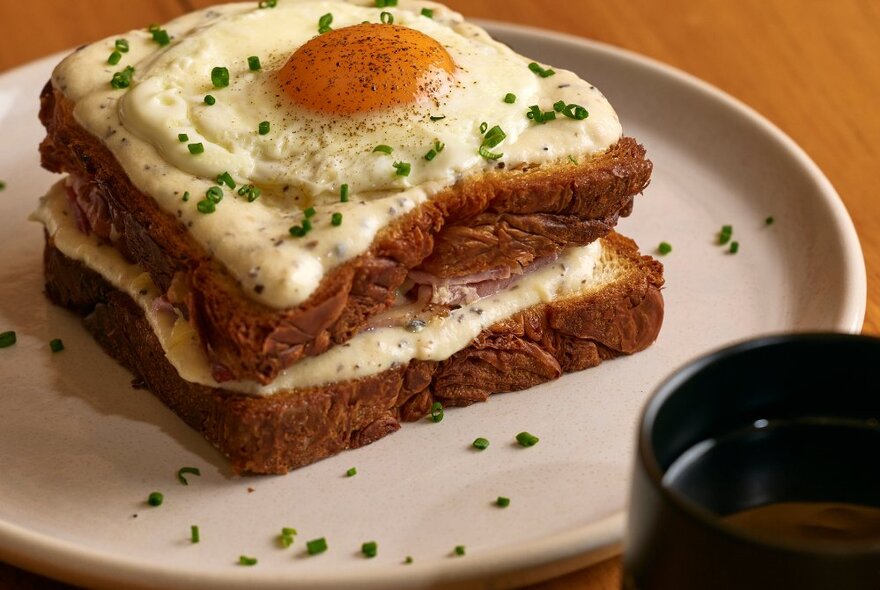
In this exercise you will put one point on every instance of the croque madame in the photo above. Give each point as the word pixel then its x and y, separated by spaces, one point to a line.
pixel 300 222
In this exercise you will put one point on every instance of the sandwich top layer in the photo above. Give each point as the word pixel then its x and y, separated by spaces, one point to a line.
pixel 577 271
pixel 300 124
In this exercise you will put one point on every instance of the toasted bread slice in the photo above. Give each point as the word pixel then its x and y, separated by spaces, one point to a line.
pixel 564 204
pixel 619 313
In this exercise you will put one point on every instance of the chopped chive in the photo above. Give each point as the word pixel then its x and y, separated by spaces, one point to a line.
pixel 558 106
pixel 226 179
pixel 494 136
pixel 155 499
pixel 385 149
pixel 306 225
pixel 439 145
pixel 481 443
pixel 267 4
pixel 161 37
pixel 431 155
pixel 324 23
pixel 187 470
pixel 734 247
pixel 428 12
pixel 121 45
pixel 459 549
pixel 194 534
pixel 436 412
pixel 725 234
pixel 483 127
pixel 263 127
pixel 185 197
pixel 56 345
pixel 401 168
pixel 370 549
pixel 440 118
pixel 245 560
pixel 114 58
pixel 343 193
pixel 182 137
pixel 484 151
pixel 502 502
pixel 297 231
pixel 7 339
pixel 286 537
pixel 408 559
pixel 254 63
pixel 206 206
pixel 575 111
pixel 214 194
pixel 664 248
pixel 526 439
pixel 385 3
pixel 538 116
pixel 336 219
pixel 250 191
pixel 769 220
pixel 220 77
pixel 153 27
pixel 210 100
pixel 122 79
pixel 289 531
pixel 544 73
pixel 195 148
pixel 316 546
pixel 386 18
pixel 510 98
pixel 573 160
pixel 310 212
pixel 351 472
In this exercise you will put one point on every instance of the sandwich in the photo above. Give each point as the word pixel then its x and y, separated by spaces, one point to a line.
pixel 301 222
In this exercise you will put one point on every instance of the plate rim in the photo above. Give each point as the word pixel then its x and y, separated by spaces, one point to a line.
pixel 533 561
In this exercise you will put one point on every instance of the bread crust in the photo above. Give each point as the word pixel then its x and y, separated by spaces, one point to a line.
pixel 247 340
pixel 277 433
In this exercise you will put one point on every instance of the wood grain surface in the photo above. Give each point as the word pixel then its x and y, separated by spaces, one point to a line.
pixel 810 66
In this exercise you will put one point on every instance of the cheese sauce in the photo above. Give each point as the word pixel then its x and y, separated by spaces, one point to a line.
pixel 305 159
pixel 577 271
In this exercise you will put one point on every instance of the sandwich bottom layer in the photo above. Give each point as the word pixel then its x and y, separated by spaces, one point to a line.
pixel 289 429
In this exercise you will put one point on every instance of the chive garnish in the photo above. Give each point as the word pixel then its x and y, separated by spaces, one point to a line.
pixel 324 23
pixel 114 58
pixel 245 560
pixel 385 3
pixel 502 502
pixel 343 193
pixel 310 212
pixel 436 412
pixel 769 220
pixel 210 100
pixel 254 63
pixel 182 137
pixel 7 339
pixel 387 18
pixel 575 111
pixel 122 79
pixel 440 118
pixel 263 127
pixel 573 160
pixel 297 231
pixel 195 148
pixel 121 45
pixel 160 36
pixel 734 247
pixel 206 206
pixel 558 106
pixel 289 531
pixel 185 197
pixel 226 179
pixel 483 127
pixel 351 472
pixel 431 155
pixel 401 168
pixel 428 12
pixel 492 138
pixel 286 537
pixel 56 345
pixel 267 4
pixel 408 559
pixel 459 549
pixel 187 470
pixel 155 499
pixel 526 439
pixel 316 546
pixel 307 225
pixel 481 443
pixel 725 234
pixel 544 73
pixel 385 149
pixel 538 116
pixel 336 219
pixel 510 98
pixel 250 191
pixel 370 549
pixel 664 248
pixel 194 534
pixel 220 77
pixel 214 194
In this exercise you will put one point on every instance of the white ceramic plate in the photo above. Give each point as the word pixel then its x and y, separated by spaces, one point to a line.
pixel 80 449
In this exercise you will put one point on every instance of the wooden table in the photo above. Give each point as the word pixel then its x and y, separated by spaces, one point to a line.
pixel 810 66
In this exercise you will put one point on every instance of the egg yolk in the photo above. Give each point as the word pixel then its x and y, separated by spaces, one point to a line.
pixel 365 68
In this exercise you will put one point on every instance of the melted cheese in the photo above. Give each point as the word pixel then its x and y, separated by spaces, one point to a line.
pixel 367 353
pixel 304 161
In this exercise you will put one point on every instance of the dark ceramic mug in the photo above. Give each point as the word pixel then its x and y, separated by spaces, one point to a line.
pixel 758 466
